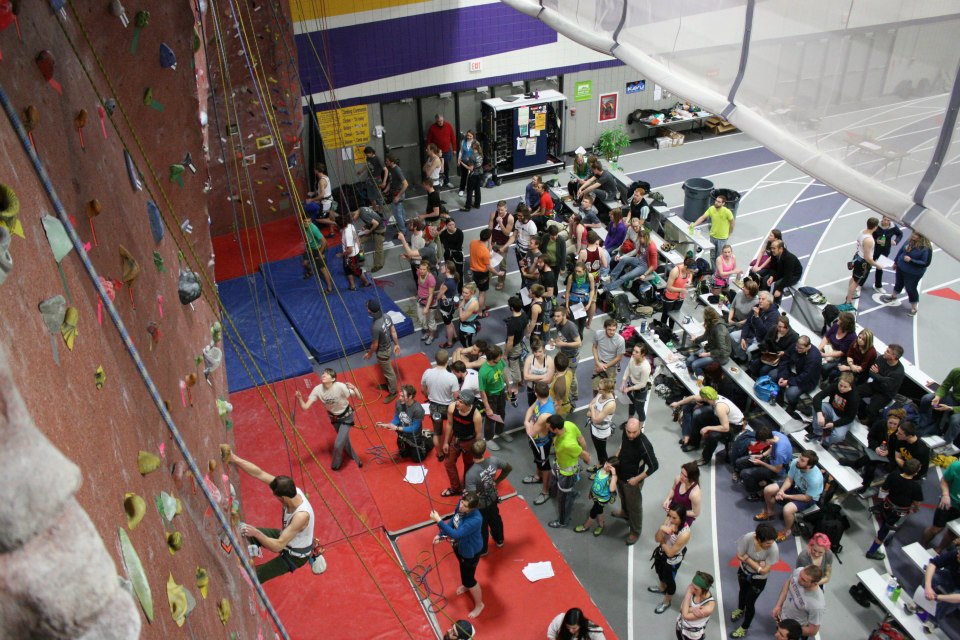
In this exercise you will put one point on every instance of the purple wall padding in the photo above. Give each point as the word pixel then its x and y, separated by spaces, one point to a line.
pixel 376 50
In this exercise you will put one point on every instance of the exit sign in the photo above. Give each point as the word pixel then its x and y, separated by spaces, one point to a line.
pixel 475 66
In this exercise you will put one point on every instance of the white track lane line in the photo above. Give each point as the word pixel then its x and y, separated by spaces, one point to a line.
pixel 630 592
pixel 716 551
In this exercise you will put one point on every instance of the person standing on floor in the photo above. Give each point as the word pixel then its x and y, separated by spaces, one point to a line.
pixel 407 423
pixel 385 345
pixel 482 479
pixel 396 193
pixel 863 260
pixel 757 553
pixel 465 428
pixel 535 425
pixel 481 267
pixel 426 302
pixel 464 158
pixel 802 600
pixel 316 255
pixel 722 223
pixel 377 178
pixel 463 530
pixel 600 418
pixel 885 236
pixel 293 543
pixel 372 225
pixel 676 290
pixel 686 491
pixel 569 342
pixel 910 264
pixel 900 496
pixel 335 398
pixel 493 393
pixel 441 133
pixel 636 382
pixel 603 489
pixel 451 239
pixel 608 350
pixel 570 448
pixel 637 463
pixel 351 255
pixel 671 538
pixel 439 387
pixel 696 608
pixel 475 180
pixel 514 346
pixel 501 226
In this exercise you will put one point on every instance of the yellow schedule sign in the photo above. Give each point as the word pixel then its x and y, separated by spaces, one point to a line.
pixel 347 127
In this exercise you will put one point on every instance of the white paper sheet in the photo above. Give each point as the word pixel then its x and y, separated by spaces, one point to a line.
pixel 885 262
pixel 578 311
pixel 416 475
pixel 525 296
pixel 930 606
pixel 495 259
pixel 538 571
pixel 396 317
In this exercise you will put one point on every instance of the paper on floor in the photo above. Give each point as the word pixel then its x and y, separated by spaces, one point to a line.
pixel 538 571
pixel 416 475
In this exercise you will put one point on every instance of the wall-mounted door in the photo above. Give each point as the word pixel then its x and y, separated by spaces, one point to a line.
pixel 468 106
pixel 402 138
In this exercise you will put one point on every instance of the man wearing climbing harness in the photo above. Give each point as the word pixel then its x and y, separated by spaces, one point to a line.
pixel 408 425
pixel 535 424
pixel 385 345
pixel 335 397
pixel 482 480
pixel 465 428
pixel 439 386
pixel 294 543
pixel 463 530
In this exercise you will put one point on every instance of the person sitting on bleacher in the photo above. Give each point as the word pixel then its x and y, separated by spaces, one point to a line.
pixel 778 342
pixel 886 376
pixel 799 372
pixel 833 411
pixel 602 184
pixel 900 496
pixel 901 445
pixel 755 327
pixel 860 357
pixel 800 491
pixel 713 345
pixel 940 411
pixel 765 461
pixel 941 582
pixel 640 262
pixel 589 217
pixel 742 306
pixel 835 345
pixel 716 419
pixel 947 509
pixel 786 268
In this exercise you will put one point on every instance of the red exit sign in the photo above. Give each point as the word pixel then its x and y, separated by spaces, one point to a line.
pixel 475 66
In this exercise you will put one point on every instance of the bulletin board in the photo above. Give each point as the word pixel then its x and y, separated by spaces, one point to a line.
pixel 530 135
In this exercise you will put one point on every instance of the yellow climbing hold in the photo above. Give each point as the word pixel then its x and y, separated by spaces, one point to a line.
pixel 100 378
pixel 69 327
pixel 136 508
pixel 147 462
pixel 223 610
pixel 10 210
pixel 177 597
pixel 174 541
pixel 203 580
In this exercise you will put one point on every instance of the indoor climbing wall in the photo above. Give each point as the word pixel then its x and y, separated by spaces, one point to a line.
pixel 108 97
pixel 254 113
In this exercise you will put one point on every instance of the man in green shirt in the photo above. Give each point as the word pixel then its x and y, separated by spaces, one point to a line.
pixel 569 447
pixel 316 249
pixel 940 411
pixel 722 223
pixel 948 508
pixel 493 393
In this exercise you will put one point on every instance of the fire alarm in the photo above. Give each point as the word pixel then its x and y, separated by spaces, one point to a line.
pixel 573 111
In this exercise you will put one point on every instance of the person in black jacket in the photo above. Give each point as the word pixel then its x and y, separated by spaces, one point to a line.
pixel 786 267
pixel 799 372
pixel 901 445
pixel 778 342
pixel 834 410
pixel 637 463
pixel 886 377
pixel 884 237
pixel 755 327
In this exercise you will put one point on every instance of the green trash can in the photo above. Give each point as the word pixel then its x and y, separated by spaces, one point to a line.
pixel 696 198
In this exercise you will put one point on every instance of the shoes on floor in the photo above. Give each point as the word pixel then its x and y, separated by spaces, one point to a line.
pixel 499 544
pixel 423 336
pixel 763 516
pixel 782 536
pixel 687 448
pixel 877 555
pixel 912 312
pixel 580 528
pixel 663 606
pixel 702 463
pixel 531 480
pixel 754 497
pixel 506 437
pixel 631 540
pixel 736 614
pixel 740 632
pixel 655 589
pixel 888 298
pixel 597 531
pixel 492 446
pixel 429 340
pixel 460 193
pixel 541 498
pixel 556 524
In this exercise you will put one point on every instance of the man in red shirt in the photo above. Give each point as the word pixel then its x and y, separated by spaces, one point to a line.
pixel 441 133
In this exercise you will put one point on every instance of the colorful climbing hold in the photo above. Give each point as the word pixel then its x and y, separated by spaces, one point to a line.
pixel 140 21
pixel 158 262
pixel 117 9
pixel 10 211
pixel 69 327
pixel 59 242
pixel 31 118
pixel 136 574
pixel 79 122
pixel 176 174
pixel 99 377
pixel 53 310
pixel 177 598
pixel 46 63
pixel 174 542
pixel 147 462
pixel 203 581
pixel 93 209
pixel 6 259
pixel 168 506
pixel 223 610
pixel 135 508
pixel 168 60
pixel 156 221
pixel 131 170
pixel 149 101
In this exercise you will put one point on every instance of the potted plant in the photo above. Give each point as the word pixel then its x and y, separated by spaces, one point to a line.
pixel 612 143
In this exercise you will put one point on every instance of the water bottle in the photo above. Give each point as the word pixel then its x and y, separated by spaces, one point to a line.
pixel 896 592
pixel 773 396
pixel 643 327
pixel 891 586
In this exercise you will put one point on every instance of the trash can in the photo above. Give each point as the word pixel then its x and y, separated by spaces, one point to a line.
pixel 696 198
pixel 733 198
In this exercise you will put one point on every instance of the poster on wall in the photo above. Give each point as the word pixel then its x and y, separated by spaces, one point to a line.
pixel 636 87
pixel 608 107
pixel 583 91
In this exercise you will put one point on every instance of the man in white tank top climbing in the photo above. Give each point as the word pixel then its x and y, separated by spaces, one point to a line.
pixel 862 260
pixel 294 543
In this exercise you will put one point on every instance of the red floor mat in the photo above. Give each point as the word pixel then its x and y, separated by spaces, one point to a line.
pixel 259 440
pixel 278 240
pixel 345 602
pixel 502 582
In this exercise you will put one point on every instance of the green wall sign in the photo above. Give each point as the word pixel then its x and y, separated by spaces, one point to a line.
pixel 583 91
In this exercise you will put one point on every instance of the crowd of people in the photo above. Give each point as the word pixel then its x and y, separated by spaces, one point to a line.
pixel 572 260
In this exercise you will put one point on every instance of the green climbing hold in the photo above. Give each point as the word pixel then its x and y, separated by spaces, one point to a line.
pixel 216 331
pixel 176 174
pixel 142 19
pixel 136 574
pixel 158 262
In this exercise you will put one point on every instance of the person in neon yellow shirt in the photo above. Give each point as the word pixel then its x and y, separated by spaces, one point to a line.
pixel 570 448
pixel 722 223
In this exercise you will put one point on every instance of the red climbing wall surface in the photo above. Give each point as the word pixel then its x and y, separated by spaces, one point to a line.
pixel 102 431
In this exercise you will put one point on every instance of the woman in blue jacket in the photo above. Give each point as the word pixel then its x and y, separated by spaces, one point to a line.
pixel 463 530
pixel 911 263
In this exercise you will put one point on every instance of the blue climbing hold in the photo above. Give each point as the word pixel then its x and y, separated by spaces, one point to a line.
pixel 156 222
pixel 168 60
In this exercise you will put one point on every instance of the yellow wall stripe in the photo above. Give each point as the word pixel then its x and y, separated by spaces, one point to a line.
pixel 316 9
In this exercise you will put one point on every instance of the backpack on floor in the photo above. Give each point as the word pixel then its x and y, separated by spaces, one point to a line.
pixel 887 631
pixel 905 403
pixel 833 523
pixel 619 307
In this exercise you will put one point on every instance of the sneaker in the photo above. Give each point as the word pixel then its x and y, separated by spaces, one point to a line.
pixel 782 536
pixel 580 528
pixel 493 446
pixel 513 401
pixel 663 606
pixel 763 516
pixel 506 437
pixel 555 524
pixel 460 193
pixel 740 632
pixel 605 279
pixel 423 336
pixel 541 498
pixel 499 544
pixel 888 298
pixel 531 480
pixel 876 555
pixel 597 531
pixel 880 289
pixel 912 312
pixel 429 340
pixel 655 589
pixel 736 614
pixel 754 497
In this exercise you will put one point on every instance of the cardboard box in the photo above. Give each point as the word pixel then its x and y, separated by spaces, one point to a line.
pixel 718 125
pixel 664 142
